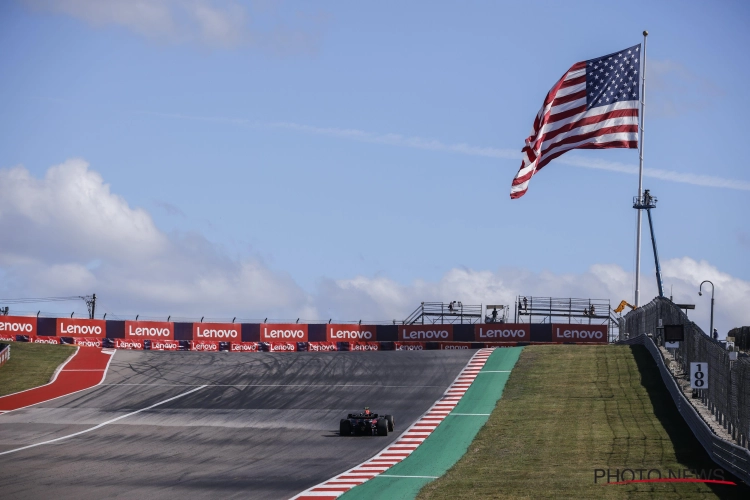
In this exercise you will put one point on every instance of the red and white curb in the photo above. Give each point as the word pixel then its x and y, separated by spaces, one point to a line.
pixel 407 442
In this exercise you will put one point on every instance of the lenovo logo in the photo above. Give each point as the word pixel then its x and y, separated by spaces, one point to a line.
pixel 335 334
pixel 213 333
pixel 321 347
pixel 129 344
pixel 283 334
pixel 365 347
pixel 148 332
pixel 578 334
pixel 38 340
pixel 244 347
pixel 425 335
pixel 88 343
pixel 6 326
pixel 485 333
pixel 78 329
pixel 283 347
pixel 205 346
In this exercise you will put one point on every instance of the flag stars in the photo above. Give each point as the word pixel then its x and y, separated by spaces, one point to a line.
pixel 611 78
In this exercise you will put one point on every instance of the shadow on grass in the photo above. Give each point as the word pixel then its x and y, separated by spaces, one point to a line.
pixel 688 449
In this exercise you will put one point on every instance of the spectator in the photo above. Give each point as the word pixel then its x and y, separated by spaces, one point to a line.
pixel 716 334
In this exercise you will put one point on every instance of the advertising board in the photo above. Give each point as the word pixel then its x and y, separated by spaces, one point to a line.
pixel 87 341
pixel 351 333
pixel 321 346
pixel 502 332
pixel 151 330
pixel 161 345
pixel 83 328
pixel 129 344
pixel 44 340
pixel 205 346
pixel 592 334
pixel 244 347
pixel 283 333
pixel 422 333
pixel 17 325
pixel 228 332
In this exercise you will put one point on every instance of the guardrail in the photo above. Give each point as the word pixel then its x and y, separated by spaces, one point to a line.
pixel 727 397
pixel 734 458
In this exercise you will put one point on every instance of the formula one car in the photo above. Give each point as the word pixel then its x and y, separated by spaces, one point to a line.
pixel 366 423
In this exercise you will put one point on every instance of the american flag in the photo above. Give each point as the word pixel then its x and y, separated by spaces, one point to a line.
pixel 593 106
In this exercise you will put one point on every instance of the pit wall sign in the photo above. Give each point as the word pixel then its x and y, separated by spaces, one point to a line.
pixel 17 325
pixel 152 330
pixel 228 332
pixel 591 334
pixel 422 333
pixel 283 333
pixel 81 328
pixel 351 333
pixel 502 332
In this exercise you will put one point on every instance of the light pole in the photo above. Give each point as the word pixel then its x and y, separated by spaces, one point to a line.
pixel 711 329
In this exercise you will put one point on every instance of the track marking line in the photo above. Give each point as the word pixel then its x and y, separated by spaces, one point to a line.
pixel 409 440
pixel 472 414
pixel 61 438
pixel 495 371
pixel 419 477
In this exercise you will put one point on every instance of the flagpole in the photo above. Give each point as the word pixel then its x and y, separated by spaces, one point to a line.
pixel 640 177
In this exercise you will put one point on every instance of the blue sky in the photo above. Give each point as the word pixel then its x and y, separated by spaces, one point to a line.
pixel 332 159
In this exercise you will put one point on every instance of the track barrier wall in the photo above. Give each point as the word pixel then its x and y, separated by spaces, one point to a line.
pixel 727 398
pixel 267 337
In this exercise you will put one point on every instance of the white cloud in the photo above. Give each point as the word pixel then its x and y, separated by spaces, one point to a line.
pixel 383 298
pixel 214 23
pixel 68 234
pixel 74 209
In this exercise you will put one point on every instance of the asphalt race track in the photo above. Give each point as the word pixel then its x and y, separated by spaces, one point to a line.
pixel 264 426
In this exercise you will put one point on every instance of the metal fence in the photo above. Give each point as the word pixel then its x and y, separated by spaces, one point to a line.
pixel 728 394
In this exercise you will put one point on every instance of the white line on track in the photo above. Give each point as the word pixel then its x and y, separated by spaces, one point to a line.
pixel 495 371
pixel 103 423
pixel 471 414
pixel 420 477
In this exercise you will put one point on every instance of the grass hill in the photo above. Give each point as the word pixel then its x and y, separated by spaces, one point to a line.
pixel 572 413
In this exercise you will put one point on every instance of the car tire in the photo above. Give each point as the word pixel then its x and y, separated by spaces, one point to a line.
pixel 382 427
pixel 345 427
pixel 391 422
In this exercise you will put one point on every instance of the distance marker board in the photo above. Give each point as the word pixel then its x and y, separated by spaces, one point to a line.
pixel 699 375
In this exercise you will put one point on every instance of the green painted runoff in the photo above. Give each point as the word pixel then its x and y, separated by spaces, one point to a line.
pixel 449 441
